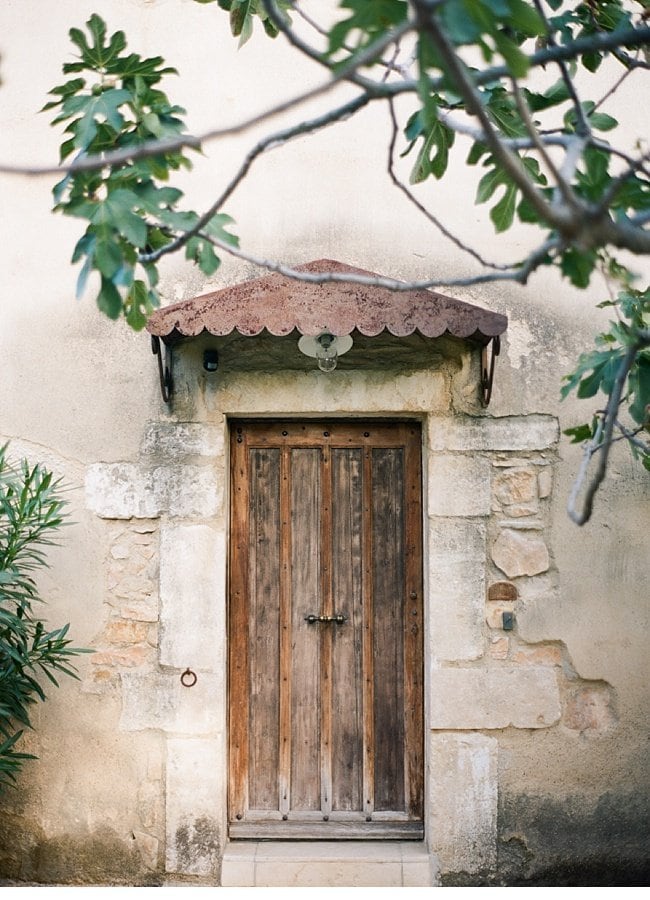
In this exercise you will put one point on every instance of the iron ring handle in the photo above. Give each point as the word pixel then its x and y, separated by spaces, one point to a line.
pixel 188 678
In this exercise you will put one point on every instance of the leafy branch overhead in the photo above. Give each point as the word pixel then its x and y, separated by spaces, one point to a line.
pixel 502 83
pixel 130 208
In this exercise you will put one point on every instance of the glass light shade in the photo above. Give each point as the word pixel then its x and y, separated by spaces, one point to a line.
pixel 325 348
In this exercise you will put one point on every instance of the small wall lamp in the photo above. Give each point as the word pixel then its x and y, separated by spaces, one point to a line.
pixel 325 348
pixel 210 360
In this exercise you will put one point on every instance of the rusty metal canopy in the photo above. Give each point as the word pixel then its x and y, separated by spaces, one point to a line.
pixel 281 305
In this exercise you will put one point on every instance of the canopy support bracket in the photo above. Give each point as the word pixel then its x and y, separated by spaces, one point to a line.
pixel 488 360
pixel 164 371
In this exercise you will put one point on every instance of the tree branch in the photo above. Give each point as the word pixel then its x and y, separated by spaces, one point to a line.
pixel 519 273
pixel 267 143
pixel 582 127
pixel 601 441
pixel 425 212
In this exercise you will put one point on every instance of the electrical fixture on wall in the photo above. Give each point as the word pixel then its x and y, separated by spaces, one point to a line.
pixel 210 360
pixel 325 348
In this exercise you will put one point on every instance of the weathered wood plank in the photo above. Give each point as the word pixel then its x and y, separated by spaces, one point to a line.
pixel 238 680
pixel 388 620
pixel 326 631
pixel 347 681
pixel 285 637
pixel 305 644
pixel 264 590
pixel 367 645
pixel 414 628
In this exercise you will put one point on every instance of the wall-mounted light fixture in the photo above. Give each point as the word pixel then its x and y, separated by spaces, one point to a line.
pixel 325 348
pixel 210 360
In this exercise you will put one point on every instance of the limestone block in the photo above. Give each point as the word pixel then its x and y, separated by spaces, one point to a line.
pixel 459 486
pixel 195 794
pixel 524 697
pixel 171 441
pixel 457 588
pixel 125 491
pixel 192 595
pixel 159 700
pixel 463 802
pixel 520 553
pixel 535 432
pixel 360 390
pixel 545 478
pixel 188 491
pixel 515 486
pixel 120 491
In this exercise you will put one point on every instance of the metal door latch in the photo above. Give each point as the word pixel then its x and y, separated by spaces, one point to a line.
pixel 338 619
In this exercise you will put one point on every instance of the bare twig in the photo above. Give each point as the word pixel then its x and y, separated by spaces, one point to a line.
pixel 425 212
pixel 519 273
pixel 582 126
pixel 562 185
pixel 267 143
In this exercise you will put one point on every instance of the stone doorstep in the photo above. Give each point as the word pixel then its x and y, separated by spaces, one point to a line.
pixel 328 864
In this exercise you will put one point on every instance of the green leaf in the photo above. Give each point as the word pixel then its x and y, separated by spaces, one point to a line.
pixel 108 258
pixel 516 59
pixel 433 156
pixel 502 214
pixel 109 300
pixel 116 211
pixel 137 306
pixel 579 433
pixel 640 386
pixel 578 265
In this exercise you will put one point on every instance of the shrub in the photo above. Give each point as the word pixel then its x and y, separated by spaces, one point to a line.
pixel 31 510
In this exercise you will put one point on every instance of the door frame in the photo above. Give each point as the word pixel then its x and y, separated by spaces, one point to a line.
pixel 419 555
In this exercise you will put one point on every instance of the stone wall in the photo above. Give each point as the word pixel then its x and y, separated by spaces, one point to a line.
pixel 488 487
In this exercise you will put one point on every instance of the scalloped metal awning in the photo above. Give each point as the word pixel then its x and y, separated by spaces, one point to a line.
pixel 281 305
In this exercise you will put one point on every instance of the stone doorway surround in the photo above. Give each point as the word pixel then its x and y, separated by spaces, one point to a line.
pixel 487 488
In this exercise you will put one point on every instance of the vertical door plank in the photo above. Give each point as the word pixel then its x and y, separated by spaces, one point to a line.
pixel 347 683
pixel 367 645
pixel 285 637
pixel 388 632
pixel 414 630
pixel 326 632
pixel 238 625
pixel 305 592
pixel 264 590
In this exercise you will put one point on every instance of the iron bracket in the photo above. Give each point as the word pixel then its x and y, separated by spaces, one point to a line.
pixel 487 368
pixel 164 371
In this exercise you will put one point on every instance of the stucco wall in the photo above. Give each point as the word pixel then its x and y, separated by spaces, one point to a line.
pixel 122 755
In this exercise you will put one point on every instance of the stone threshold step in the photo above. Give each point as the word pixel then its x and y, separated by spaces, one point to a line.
pixel 328 864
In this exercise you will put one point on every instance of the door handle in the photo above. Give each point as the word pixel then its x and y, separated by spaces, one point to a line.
pixel 338 619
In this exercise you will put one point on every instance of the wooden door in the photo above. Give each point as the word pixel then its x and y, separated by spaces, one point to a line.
pixel 325 631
